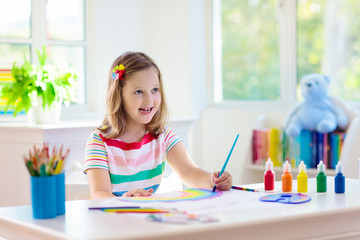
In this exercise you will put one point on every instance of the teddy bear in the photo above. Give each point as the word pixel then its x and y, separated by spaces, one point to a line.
pixel 318 111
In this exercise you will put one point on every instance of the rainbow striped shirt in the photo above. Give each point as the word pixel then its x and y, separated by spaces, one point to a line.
pixel 138 165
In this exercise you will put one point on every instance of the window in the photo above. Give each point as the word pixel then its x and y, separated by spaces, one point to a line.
pixel 329 43
pixel 250 50
pixel 260 46
pixel 57 24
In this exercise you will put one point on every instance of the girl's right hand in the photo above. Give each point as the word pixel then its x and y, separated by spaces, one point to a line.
pixel 138 192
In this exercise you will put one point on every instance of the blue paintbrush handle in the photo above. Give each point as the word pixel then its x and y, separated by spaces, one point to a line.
pixel 227 159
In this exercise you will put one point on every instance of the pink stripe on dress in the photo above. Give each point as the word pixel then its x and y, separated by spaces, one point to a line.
pixel 139 160
pixel 168 134
pixel 95 159
pixel 96 144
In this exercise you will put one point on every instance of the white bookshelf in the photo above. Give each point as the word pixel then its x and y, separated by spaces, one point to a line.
pixel 349 156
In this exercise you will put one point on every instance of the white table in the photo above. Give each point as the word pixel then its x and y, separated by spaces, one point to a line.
pixel 326 216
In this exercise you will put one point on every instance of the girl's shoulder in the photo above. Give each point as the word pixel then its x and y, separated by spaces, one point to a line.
pixel 169 133
pixel 167 130
pixel 95 134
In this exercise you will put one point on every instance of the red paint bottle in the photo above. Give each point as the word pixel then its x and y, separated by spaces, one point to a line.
pixel 269 176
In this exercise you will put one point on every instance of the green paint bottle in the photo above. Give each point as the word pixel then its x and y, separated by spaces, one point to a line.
pixel 321 178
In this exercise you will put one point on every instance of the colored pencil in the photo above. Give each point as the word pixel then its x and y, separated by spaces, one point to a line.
pixel 227 159
pixel 134 209
pixel 40 163
pixel 244 189
pixel 103 208
pixel 29 167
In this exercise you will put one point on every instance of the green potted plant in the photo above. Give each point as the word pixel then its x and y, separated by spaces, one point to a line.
pixel 45 85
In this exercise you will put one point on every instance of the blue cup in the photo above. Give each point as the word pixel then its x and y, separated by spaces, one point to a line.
pixel 43 197
pixel 60 193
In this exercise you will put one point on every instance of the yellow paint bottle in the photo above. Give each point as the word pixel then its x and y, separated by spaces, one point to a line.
pixel 302 178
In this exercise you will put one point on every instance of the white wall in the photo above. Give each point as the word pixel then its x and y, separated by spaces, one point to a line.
pixel 219 126
pixel 177 35
pixel 16 141
pixel 160 28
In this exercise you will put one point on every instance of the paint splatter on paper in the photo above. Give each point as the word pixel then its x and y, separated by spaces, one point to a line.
pixel 190 194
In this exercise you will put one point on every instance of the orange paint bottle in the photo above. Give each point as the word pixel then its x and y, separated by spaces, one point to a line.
pixel 286 178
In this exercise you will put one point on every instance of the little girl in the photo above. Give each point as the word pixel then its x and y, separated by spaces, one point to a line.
pixel 125 156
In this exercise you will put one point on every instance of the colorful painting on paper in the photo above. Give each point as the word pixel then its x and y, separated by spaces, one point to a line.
pixel 191 194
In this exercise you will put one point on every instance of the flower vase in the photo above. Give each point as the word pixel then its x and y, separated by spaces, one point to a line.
pixel 48 115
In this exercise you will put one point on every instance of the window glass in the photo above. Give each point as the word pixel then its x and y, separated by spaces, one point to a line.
pixel 63 34
pixel 250 50
pixel 329 43
pixel 15 18
pixel 75 58
pixel 13 52
pixel 65 20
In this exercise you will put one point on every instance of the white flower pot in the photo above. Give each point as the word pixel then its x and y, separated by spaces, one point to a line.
pixel 46 116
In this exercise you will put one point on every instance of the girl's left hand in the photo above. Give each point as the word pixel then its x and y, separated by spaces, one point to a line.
pixel 138 192
pixel 224 182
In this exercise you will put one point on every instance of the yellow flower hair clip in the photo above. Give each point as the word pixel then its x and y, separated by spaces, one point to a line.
pixel 118 72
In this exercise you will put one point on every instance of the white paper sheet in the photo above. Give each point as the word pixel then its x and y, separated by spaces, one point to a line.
pixel 229 201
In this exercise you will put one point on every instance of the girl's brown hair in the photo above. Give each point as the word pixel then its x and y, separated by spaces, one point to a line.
pixel 114 123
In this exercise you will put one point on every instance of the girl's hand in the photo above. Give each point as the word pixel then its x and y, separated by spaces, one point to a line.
pixel 224 182
pixel 138 192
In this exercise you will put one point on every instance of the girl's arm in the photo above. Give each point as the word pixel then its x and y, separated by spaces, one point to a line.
pixel 192 175
pixel 99 183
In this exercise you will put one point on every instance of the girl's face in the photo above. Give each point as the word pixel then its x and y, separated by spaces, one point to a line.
pixel 141 97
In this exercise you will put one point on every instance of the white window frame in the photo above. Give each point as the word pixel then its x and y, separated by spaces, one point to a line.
pixel 38 39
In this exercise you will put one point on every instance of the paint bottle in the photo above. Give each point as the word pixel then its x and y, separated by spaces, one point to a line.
pixel 339 179
pixel 302 178
pixel 321 177
pixel 269 176
pixel 286 177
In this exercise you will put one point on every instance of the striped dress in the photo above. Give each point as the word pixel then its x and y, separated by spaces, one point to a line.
pixel 138 165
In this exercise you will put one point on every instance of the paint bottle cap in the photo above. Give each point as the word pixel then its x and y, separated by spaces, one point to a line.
pixel 302 167
pixel 339 168
pixel 286 166
pixel 269 165
pixel 321 167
